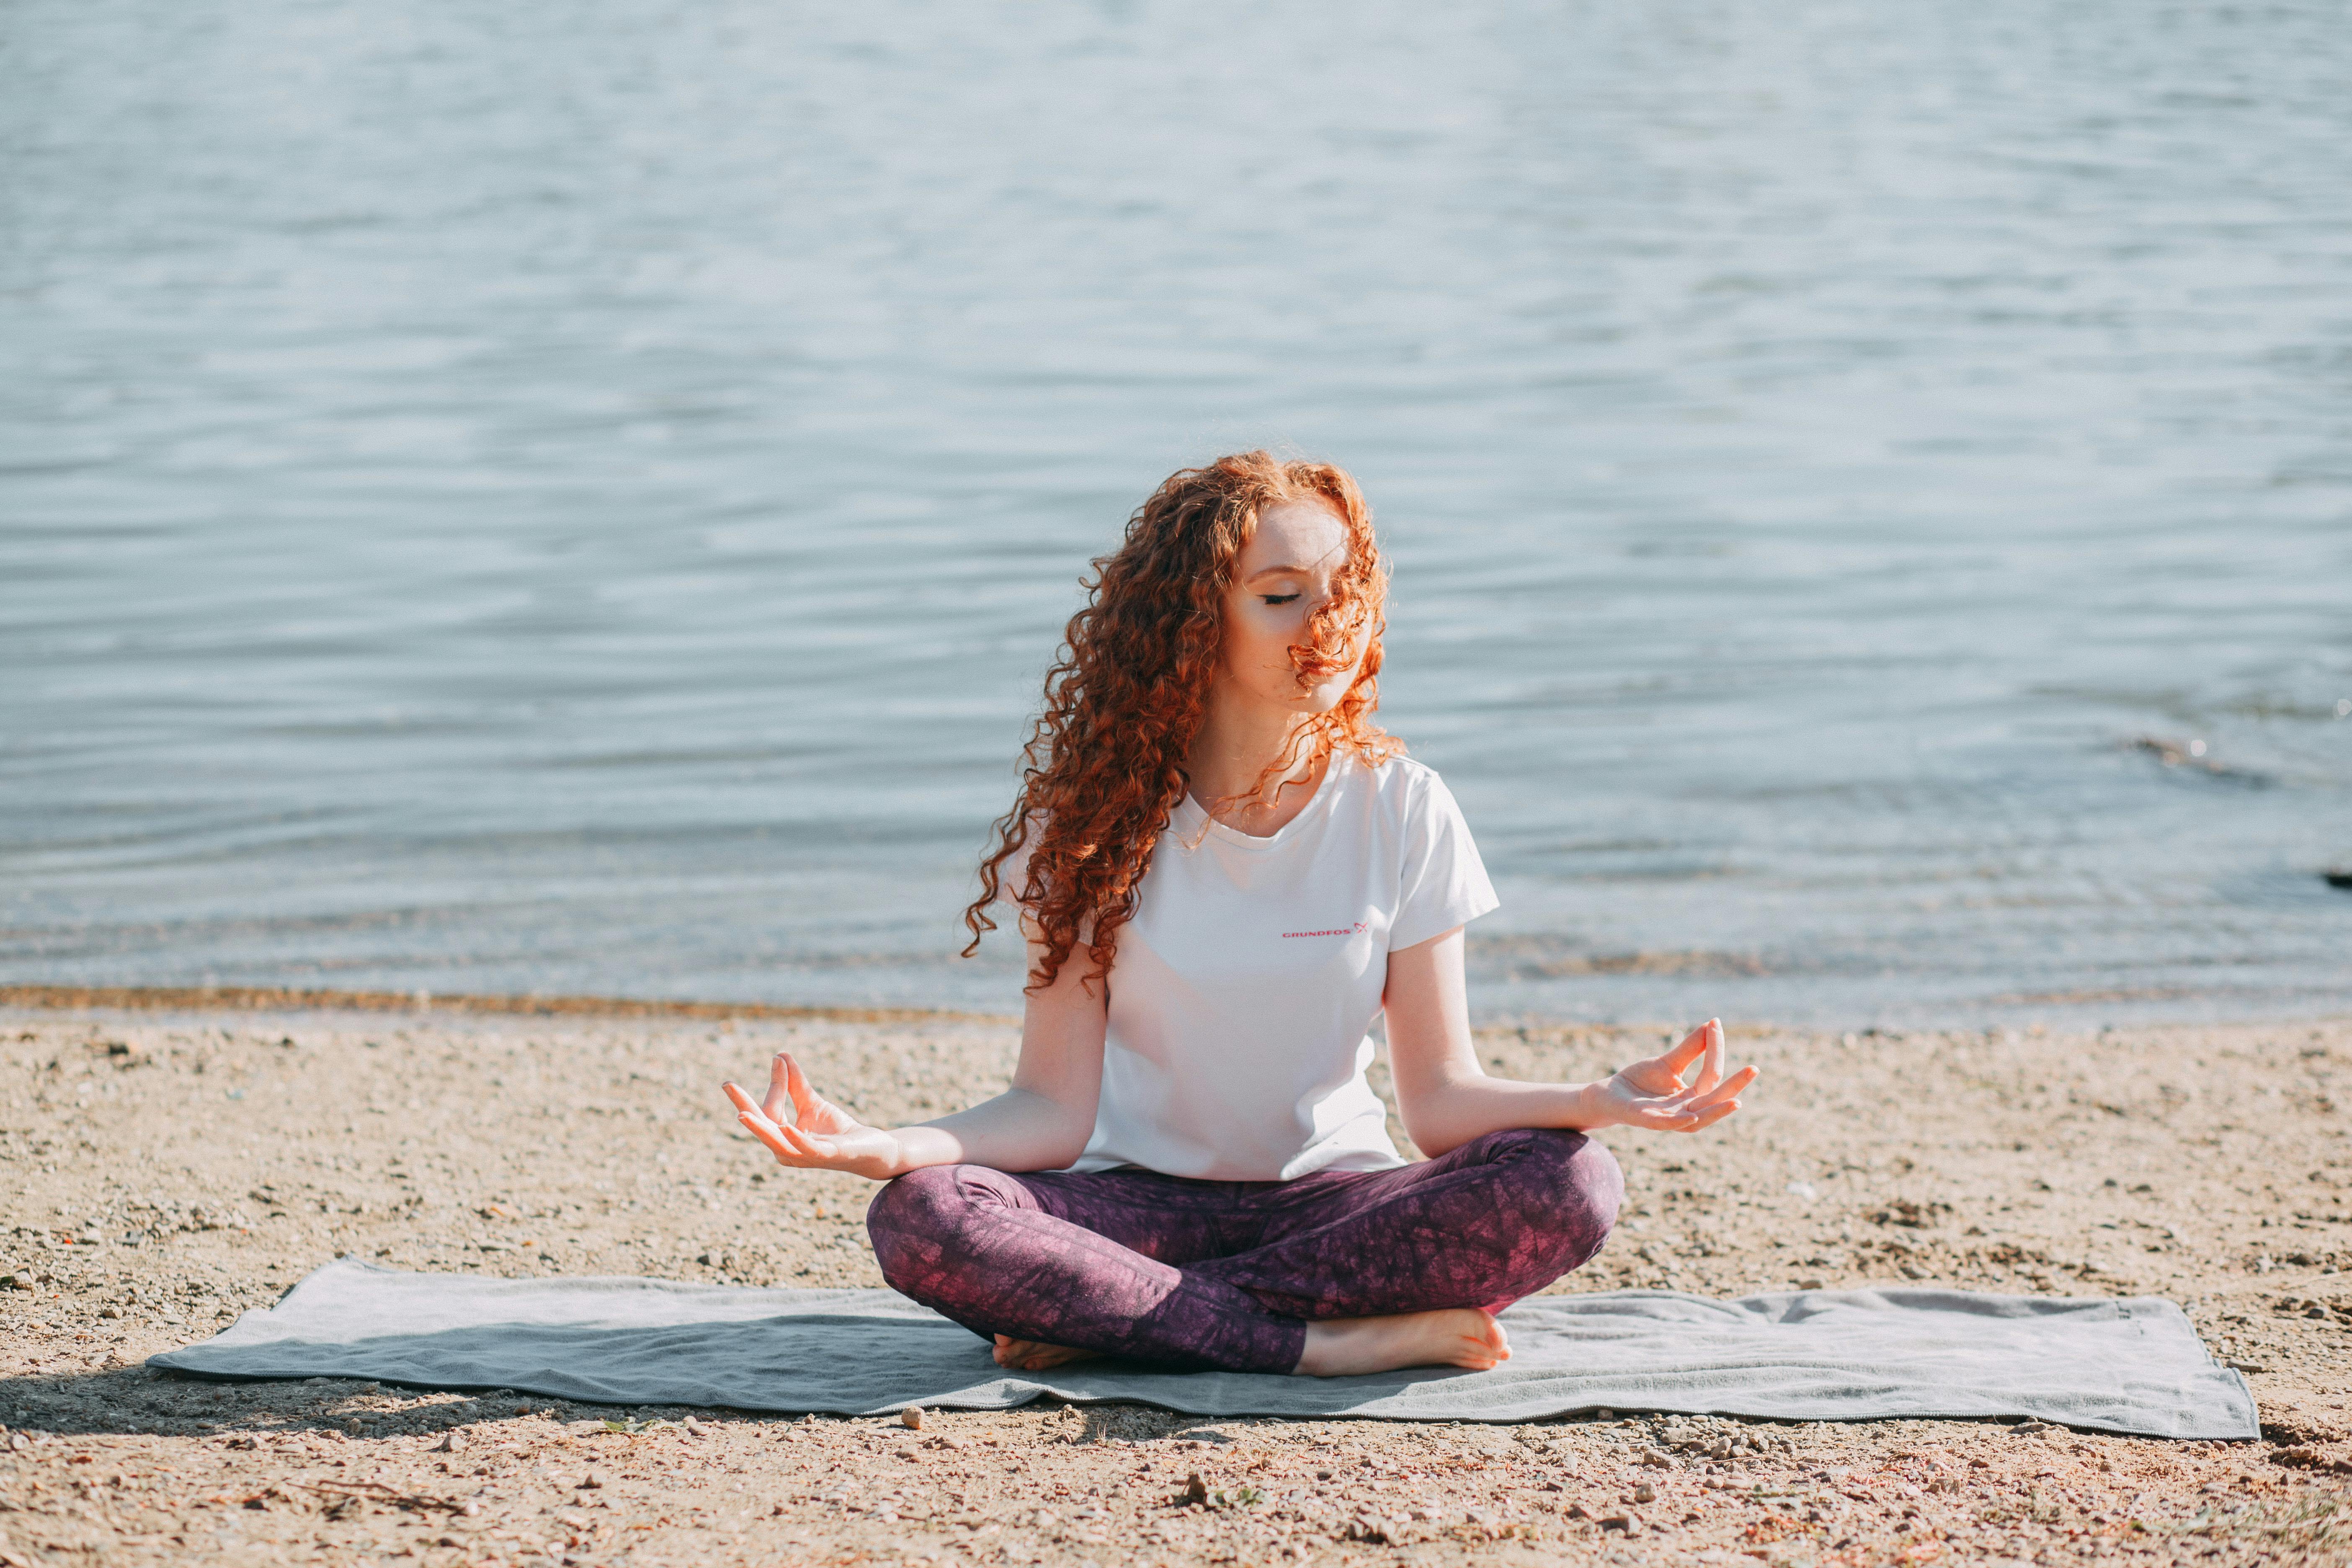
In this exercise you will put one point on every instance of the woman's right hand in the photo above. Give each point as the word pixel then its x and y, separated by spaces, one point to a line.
pixel 821 1136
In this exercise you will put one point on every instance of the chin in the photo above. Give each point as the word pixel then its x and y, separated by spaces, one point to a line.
pixel 1320 699
pixel 1322 702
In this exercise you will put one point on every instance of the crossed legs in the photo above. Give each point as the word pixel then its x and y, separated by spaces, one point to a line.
pixel 1337 1271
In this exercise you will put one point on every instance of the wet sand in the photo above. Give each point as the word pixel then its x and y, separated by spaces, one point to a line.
pixel 163 1171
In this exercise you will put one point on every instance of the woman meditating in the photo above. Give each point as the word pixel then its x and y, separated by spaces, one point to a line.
pixel 1223 870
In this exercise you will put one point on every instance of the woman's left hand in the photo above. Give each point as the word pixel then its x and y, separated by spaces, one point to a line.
pixel 1663 1094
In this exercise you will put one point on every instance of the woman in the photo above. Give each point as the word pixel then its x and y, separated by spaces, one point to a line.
pixel 1189 1166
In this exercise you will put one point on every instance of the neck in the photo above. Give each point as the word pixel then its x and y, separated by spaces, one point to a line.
pixel 1239 739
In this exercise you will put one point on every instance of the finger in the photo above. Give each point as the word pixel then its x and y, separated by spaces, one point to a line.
pixel 780 1094
pixel 1712 1073
pixel 788 1143
pixel 809 1148
pixel 1697 1119
pixel 1693 1046
pixel 1729 1089
pixel 768 1133
pixel 753 1116
pixel 1746 1075
pixel 1709 1118
pixel 804 1096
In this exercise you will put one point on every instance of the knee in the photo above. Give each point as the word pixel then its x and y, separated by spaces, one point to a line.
pixel 1568 1186
pixel 916 1202
pixel 916 1223
pixel 1588 1190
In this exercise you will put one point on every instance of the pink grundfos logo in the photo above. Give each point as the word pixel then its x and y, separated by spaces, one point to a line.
pixel 1335 930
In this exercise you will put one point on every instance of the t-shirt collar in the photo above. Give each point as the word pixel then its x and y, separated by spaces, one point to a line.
pixel 1188 817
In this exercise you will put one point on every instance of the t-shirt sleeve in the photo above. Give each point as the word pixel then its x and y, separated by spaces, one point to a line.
pixel 1443 883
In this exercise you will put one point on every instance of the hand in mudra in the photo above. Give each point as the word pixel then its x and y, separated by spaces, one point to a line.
pixel 1663 1094
pixel 821 1136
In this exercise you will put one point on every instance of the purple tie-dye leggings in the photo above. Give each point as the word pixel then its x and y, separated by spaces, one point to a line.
pixel 1227 1274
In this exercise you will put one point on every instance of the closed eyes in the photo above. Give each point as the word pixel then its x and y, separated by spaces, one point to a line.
pixel 1277 598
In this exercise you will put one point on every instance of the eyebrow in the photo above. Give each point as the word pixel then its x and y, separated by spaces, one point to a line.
pixel 1270 571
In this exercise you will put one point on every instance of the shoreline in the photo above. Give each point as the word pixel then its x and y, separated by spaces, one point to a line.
pixel 163 1173
pixel 148 999
pixel 291 999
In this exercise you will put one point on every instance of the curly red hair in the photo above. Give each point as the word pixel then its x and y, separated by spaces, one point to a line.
pixel 1105 764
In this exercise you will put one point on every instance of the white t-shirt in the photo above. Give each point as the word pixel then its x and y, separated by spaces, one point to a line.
pixel 1245 983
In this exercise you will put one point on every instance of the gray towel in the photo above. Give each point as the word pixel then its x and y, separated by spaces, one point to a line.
pixel 2132 1365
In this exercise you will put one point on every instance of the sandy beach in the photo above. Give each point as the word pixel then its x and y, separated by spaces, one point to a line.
pixel 163 1171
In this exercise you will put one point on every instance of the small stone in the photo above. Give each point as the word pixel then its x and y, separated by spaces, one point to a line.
pixel 1646 1492
pixel 1195 1488
pixel 1617 1521
pixel 589 1483
pixel 911 1418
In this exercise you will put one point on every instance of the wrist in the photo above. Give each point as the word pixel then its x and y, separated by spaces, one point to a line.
pixel 1589 1107
pixel 913 1148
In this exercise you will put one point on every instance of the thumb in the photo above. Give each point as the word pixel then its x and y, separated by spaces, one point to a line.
pixel 1694 1046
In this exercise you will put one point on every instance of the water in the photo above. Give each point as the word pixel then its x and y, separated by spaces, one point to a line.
pixel 579 497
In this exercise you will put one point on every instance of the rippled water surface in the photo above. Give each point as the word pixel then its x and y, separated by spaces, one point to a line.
pixel 579 497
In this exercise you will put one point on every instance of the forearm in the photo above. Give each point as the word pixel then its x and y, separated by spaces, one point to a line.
pixel 1020 1129
pixel 1456 1109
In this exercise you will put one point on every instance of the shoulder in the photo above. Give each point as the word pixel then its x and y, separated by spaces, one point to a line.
pixel 1404 788
pixel 1399 776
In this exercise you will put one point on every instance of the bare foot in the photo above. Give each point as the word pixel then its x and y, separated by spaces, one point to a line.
pixel 1455 1336
pixel 1028 1355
